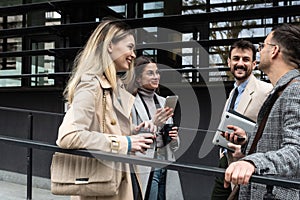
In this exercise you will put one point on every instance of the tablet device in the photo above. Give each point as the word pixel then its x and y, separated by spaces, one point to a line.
pixel 232 118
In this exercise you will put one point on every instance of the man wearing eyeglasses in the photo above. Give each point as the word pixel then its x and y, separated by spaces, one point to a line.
pixel 278 149
pixel 246 98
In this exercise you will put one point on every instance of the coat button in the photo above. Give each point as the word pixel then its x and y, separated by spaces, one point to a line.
pixel 113 122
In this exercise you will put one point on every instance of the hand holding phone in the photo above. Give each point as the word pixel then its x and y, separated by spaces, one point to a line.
pixel 227 136
pixel 165 130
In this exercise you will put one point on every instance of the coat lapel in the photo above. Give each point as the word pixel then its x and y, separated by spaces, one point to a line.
pixel 127 100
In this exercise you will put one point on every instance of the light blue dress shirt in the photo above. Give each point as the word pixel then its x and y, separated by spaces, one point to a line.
pixel 241 89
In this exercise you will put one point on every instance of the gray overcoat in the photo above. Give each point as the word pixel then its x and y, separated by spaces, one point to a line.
pixel 173 185
pixel 278 150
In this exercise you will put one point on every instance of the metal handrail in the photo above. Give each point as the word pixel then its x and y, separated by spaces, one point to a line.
pixel 193 19
pixel 191 69
pixel 30 137
pixel 198 169
pixel 50 52
pixel 30 111
pixel 30 144
pixel 49 75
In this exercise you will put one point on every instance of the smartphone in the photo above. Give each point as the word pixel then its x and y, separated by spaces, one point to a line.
pixel 239 138
pixel 171 101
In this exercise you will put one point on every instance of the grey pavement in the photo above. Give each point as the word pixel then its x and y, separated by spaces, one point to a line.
pixel 14 191
pixel 13 187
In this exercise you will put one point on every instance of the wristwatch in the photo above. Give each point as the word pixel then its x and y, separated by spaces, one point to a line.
pixel 114 144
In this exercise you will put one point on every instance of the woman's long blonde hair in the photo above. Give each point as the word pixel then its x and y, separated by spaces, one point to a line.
pixel 95 58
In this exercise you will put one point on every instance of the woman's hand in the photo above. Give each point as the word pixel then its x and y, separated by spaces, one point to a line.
pixel 141 142
pixel 162 115
pixel 146 126
pixel 174 133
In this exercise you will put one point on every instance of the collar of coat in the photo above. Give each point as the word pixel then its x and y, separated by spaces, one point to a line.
pixel 125 97
pixel 286 78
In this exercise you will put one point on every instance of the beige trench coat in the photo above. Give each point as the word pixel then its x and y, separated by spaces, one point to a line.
pixel 253 97
pixel 83 123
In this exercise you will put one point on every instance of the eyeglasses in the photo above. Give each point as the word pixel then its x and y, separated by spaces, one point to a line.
pixel 261 45
pixel 153 73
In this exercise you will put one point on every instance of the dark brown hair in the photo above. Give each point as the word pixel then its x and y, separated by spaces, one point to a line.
pixel 287 36
pixel 139 65
pixel 243 44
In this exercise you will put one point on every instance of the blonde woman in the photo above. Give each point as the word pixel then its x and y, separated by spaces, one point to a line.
pixel 94 83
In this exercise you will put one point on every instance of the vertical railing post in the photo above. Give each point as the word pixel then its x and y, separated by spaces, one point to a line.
pixel 29 158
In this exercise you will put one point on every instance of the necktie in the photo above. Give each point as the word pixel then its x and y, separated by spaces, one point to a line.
pixel 236 92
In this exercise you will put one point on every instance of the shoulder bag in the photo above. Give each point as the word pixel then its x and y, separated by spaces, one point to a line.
pixel 85 176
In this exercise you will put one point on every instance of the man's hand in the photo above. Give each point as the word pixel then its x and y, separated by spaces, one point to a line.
pixel 237 154
pixel 238 173
pixel 235 136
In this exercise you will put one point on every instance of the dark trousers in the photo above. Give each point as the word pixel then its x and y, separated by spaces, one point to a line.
pixel 137 194
pixel 219 192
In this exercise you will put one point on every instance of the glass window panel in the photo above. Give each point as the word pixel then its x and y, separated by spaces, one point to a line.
pixel 187 36
pixel 118 9
pixel 8 71
pixel 42 64
pixel 14 21
pixel 153 5
pixel 149 15
pixel 151 29
pixel 296 2
pixel 187 50
pixel 150 52
pixel 187 60
pixel 52 18
pixel 13 44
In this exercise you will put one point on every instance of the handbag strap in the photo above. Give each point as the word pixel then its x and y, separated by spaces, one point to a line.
pixel 103 108
pixel 234 193
pixel 262 124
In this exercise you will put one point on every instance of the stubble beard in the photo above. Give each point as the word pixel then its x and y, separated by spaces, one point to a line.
pixel 241 78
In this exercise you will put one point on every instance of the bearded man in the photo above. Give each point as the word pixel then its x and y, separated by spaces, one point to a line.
pixel 246 98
